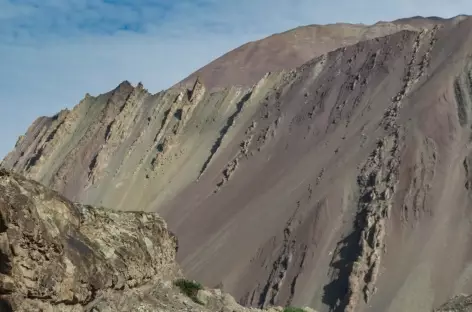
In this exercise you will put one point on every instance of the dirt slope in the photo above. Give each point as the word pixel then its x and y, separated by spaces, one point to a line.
pixel 247 64
pixel 65 257
pixel 343 185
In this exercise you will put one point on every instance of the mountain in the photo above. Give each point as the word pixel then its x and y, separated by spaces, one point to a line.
pixel 342 184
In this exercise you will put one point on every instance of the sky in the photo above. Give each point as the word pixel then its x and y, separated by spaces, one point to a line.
pixel 53 52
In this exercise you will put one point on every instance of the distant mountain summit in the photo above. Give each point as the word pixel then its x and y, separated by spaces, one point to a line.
pixel 245 65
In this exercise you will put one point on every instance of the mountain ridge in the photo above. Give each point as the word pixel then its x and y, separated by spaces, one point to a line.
pixel 319 39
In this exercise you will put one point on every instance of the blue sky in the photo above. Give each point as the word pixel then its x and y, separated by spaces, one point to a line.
pixel 52 52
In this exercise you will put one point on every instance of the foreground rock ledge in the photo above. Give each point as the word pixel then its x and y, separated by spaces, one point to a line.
pixel 56 255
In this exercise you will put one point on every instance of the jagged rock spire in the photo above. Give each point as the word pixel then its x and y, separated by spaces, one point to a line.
pixel 197 91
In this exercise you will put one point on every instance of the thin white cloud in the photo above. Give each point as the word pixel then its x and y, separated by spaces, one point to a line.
pixel 54 51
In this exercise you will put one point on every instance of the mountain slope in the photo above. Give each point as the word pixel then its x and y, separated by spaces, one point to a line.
pixel 60 256
pixel 338 185
pixel 247 64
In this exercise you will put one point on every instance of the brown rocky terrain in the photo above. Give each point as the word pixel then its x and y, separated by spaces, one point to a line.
pixel 343 184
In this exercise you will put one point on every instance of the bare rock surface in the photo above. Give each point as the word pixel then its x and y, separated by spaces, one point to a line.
pixel 460 303
pixel 343 184
pixel 61 256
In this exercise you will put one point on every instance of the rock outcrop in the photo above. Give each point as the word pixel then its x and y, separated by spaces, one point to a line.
pixel 461 303
pixel 343 184
pixel 60 256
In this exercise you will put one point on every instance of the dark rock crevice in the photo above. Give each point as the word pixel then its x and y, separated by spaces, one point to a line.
pixel 229 123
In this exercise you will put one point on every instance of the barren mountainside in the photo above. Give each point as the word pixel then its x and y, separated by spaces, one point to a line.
pixel 343 184
pixel 62 256
pixel 66 257
pixel 245 65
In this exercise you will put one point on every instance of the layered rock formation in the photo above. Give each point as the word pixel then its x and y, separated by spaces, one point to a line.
pixel 60 256
pixel 343 184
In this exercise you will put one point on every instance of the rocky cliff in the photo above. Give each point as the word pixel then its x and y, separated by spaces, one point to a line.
pixel 343 184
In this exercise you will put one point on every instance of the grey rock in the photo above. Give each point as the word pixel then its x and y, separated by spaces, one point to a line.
pixel 60 256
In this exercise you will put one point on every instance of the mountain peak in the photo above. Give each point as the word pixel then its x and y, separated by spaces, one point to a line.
pixel 247 64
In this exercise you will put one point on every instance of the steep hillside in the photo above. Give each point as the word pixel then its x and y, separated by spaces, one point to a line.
pixel 247 64
pixel 343 184
pixel 60 256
